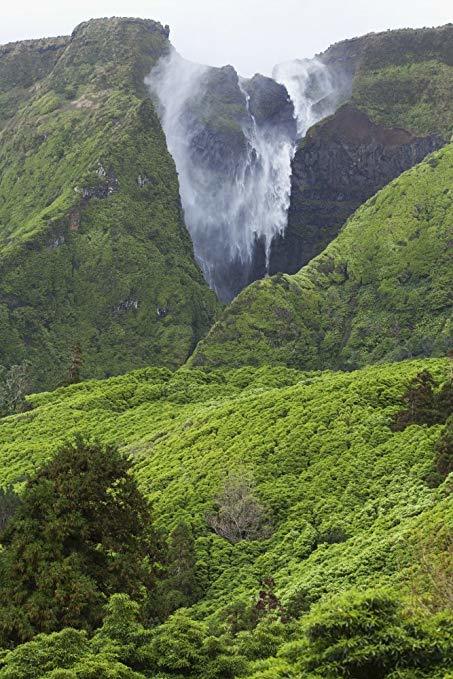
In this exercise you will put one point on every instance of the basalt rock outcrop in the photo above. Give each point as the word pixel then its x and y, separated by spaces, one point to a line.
pixel 342 162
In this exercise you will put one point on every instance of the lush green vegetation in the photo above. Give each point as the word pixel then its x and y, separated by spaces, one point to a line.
pixel 356 559
pixel 257 513
pixel 379 292
pixel 93 247
pixel 22 65
pixel 82 531
pixel 405 78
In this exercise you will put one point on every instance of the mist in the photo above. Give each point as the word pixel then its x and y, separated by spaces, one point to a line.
pixel 233 140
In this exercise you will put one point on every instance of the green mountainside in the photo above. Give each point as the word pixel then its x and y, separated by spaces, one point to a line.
pixel 22 66
pixel 93 246
pixel 349 502
pixel 265 495
pixel 381 291
pixel 405 78
pixel 401 77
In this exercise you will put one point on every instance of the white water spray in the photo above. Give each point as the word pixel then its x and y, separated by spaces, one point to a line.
pixel 311 86
pixel 235 173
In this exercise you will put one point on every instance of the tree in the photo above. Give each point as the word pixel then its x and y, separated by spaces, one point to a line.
pixel 63 655
pixel 423 404
pixel 122 635
pixel 239 515
pixel 14 385
pixel 75 366
pixel 177 646
pixel 180 587
pixel 366 635
pixel 9 503
pixel 82 532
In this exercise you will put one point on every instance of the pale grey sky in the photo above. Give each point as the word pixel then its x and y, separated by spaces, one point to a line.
pixel 253 35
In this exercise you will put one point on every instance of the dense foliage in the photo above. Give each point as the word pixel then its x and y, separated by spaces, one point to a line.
pixel 379 292
pixel 81 532
pixel 349 501
pixel 405 78
pixel 93 246
pixel 302 518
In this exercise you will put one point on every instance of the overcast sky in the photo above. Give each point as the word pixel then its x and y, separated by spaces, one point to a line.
pixel 253 35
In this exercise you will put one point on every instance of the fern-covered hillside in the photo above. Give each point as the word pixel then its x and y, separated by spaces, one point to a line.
pixel 400 77
pixel 381 291
pixel 352 502
pixel 93 247
pixel 406 79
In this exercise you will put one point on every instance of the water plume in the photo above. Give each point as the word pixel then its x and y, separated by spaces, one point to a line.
pixel 312 88
pixel 233 141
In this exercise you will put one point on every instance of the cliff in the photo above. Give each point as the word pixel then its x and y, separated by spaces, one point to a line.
pixel 341 162
pixel 401 78
pixel 93 247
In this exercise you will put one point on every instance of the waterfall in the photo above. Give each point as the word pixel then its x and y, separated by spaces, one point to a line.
pixel 312 89
pixel 233 141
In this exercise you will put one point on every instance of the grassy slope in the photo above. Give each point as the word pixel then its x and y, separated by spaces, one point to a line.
pixel 22 66
pixel 405 78
pixel 94 270
pixel 318 444
pixel 379 292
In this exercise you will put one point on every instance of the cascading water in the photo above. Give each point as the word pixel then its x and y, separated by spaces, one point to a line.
pixel 268 180
pixel 233 141
pixel 312 89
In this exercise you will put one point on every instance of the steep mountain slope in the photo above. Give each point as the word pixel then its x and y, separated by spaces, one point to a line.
pixel 23 65
pixel 400 79
pixel 349 498
pixel 93 246
pixel 381 291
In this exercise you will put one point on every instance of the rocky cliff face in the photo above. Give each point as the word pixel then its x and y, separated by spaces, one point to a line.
pixel 232 140
pixel 399 85
pixel 342 162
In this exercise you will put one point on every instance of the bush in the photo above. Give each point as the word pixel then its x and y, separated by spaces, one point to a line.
pixel 366 636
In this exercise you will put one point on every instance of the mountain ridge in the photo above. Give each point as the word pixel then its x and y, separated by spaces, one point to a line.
pixel 87 185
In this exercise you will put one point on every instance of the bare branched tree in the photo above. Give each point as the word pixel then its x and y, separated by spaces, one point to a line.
pixel 239 514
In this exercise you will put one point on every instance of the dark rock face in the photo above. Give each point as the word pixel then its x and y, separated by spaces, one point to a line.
pixel 341 163
pixel 232 140
pixel 217 117
pixel 270 104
